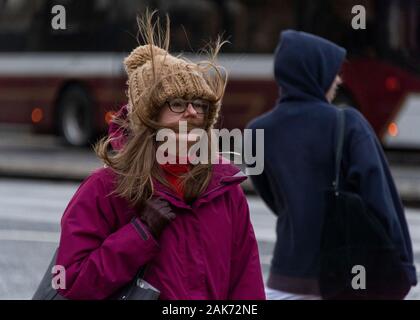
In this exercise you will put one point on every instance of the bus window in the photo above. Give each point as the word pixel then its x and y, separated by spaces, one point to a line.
pixel 410 31
pixel 414 27
pixel 192 23
pixel 403 32
pixel 250 26
pixel 266 23
pixel 16 18
pixel 337 24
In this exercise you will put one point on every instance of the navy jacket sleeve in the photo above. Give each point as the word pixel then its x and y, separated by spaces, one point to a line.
pixel 369 170
pixel 262 184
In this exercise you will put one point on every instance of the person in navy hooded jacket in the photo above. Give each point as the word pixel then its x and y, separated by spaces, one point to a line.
pixel 299 160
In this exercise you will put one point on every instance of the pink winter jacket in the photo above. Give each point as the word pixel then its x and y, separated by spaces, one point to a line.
pixel 208 252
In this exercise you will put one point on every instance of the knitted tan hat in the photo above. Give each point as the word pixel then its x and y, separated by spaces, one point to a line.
pixel 155 76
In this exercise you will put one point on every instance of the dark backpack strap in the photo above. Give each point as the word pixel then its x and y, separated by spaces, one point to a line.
pixel 340 131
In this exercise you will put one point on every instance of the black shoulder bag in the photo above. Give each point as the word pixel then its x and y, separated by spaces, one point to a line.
pixel 137 289
pixel 358 260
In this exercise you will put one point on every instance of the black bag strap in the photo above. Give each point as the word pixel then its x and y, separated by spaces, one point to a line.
pixel 340 129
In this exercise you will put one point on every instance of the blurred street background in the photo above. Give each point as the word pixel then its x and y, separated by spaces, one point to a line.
pixel 39 176
pixel 62 80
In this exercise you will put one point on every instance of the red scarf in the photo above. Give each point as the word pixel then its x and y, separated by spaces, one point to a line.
pixel 172 174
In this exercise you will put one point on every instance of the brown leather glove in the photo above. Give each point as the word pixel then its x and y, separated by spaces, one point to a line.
pixel 156 214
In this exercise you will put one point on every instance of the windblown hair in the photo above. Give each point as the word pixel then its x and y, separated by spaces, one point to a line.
pixel 135 162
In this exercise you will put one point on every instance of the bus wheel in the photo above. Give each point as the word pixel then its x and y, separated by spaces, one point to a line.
pixel 75 117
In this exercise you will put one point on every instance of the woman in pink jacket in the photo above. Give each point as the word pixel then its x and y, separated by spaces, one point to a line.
pixel 189 224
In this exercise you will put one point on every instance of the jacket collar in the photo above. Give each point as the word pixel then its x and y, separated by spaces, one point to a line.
pixel 224 175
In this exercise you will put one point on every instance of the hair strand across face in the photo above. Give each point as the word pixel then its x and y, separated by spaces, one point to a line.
pixel 135 162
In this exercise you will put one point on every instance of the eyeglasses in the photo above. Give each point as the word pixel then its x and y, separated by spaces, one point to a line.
pixel 180 105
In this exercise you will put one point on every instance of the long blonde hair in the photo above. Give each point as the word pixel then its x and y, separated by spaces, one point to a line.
pixel 135 163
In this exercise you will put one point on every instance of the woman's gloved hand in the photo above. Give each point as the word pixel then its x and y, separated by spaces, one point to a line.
pixel 156 214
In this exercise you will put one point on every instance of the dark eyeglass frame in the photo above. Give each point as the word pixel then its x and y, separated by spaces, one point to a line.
pixel 185 103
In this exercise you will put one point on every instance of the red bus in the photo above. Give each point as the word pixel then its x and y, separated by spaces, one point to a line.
pixel 70 81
